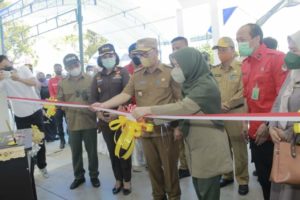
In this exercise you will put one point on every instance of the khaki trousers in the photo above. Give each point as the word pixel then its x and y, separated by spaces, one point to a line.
pixel 238 150
pixel 161 154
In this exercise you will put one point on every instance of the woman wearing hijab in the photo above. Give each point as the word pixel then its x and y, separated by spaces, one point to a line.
pixel 287 101
pixel 207 147
pixel 107 84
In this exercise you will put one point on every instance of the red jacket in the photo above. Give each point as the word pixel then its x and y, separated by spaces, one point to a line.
pixel 262 70
pixel 130 68
pixel 52 84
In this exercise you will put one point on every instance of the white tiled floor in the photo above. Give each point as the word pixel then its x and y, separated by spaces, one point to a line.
pixel 61 175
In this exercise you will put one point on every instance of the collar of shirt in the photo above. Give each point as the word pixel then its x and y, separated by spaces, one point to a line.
pixel 158 68
pixel 233 65
pixel 81 76
pixel 104 71
pixel 259 53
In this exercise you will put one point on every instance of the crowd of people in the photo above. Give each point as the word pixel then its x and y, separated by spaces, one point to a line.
pixel 212 152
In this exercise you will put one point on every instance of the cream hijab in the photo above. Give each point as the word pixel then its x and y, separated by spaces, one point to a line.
pixel 295 77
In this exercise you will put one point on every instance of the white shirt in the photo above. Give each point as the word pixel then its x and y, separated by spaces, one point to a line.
pixel 17 89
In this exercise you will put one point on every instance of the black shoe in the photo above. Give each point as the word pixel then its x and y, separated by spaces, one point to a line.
pixel 254 173
pixel 62 144
pixel 183 173
pixel 165 197
pixel 95 182
pixel 224 182
pixel 243 189
pixel 126 191
pixel 116 190
pixel 76 183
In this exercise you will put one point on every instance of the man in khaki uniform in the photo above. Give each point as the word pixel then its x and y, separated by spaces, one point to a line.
pixel 81 122
pixel 153 85
pixel 183 171
pixel 229 77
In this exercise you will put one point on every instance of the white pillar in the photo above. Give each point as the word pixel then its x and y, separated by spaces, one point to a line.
pixel 216 16
pixel 4 116
pixel 179 19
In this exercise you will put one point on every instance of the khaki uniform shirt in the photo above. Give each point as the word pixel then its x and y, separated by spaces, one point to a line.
pixel 77 91
pixel 155 88
pixel 230 84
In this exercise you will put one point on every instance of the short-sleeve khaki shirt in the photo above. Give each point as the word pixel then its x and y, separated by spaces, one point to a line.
pixel 230 84
pixel 156 88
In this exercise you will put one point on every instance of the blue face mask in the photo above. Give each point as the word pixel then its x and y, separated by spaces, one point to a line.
pixel 109 63
pixel 245 49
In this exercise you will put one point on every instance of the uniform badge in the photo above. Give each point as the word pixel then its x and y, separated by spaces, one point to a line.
pixel 140 94
pixel 117 75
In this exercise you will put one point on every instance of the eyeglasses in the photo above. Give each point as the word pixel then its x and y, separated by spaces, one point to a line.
pixel 143 54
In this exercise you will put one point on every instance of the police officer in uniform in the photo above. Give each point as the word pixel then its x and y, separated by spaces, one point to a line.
pixel 153 85
pixel 107 84
pixel 229 77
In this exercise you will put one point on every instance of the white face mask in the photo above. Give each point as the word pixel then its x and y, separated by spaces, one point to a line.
pixel 75 71
pixel 177 75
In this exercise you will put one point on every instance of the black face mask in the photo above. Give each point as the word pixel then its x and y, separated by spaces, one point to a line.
pixel 8 68
pixel 136 61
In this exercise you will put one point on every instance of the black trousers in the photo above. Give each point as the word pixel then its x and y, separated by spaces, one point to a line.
pixel 59 120
pixel 50 128
pixel 121 167
pixel 262 156
pixel 26 122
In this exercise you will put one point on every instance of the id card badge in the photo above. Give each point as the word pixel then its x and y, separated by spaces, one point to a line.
pixel 255 93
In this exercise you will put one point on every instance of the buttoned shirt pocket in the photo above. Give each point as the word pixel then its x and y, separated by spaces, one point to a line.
pixel 233 78
pixel 141 90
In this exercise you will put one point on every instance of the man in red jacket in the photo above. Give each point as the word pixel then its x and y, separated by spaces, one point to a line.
pixel 263 76
pixel 59 115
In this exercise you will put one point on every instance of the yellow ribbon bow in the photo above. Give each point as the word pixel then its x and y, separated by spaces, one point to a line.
pixel 51 109
pixel 37 135
pixel 130 131
pixel 296 127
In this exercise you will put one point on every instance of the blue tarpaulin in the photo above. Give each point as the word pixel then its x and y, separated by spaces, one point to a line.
pixel 227 12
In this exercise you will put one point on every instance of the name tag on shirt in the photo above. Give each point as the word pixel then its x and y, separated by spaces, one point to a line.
pixel 255 93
